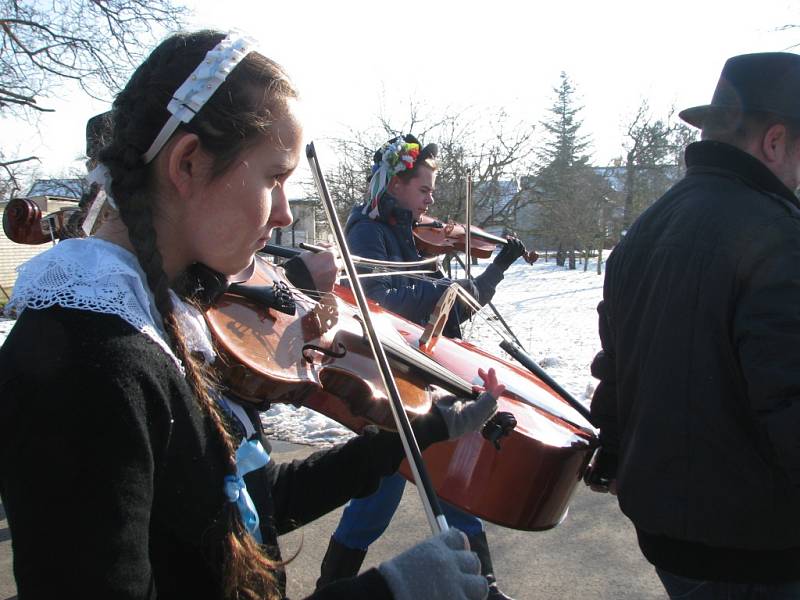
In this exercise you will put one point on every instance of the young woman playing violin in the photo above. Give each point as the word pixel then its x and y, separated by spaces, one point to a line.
pixel 123 472
pixel 400 192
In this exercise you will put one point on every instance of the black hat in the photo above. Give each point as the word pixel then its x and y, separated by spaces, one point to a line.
pixel 98 130
pixel 764 82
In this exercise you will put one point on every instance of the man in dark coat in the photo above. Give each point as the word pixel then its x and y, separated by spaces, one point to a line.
pixel 699 395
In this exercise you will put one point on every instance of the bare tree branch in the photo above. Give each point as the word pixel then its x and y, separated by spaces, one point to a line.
pixel 8 163
pixel 11 181
pixel 93 42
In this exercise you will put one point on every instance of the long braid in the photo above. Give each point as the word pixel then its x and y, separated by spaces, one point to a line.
pixel 138 113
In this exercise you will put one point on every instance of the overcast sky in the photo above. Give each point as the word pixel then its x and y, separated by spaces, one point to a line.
pixel 351 59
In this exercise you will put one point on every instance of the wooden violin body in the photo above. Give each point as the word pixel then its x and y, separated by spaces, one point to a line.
pixel 319 358
pixel 433 237
pixel 269 356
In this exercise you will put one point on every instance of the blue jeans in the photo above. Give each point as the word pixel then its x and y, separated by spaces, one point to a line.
pixel 365 519
pixel 680 588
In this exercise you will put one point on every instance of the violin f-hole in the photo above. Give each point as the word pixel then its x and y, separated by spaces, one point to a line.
pixel 310 349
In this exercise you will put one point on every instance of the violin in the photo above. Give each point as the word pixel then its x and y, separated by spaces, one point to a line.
pixel 274 350
pixel 315 354
pixel 434 237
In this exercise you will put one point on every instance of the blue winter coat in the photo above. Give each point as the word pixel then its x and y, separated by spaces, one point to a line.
pixel 389 238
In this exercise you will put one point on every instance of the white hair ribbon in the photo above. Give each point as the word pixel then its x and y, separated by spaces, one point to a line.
pixel 102 177
pixel 190 97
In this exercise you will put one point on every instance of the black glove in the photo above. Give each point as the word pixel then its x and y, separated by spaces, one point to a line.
pixel 602 470
pixel 510 252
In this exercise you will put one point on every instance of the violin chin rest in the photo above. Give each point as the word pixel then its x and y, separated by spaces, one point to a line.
pixel 277 296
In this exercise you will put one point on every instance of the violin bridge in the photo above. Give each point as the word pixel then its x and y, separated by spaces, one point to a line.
pixel 438 318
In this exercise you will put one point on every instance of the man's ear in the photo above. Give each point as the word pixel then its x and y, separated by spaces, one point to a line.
pixel 774 144
pixel 186 163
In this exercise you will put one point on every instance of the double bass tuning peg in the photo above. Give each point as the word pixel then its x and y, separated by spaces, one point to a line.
pixel 498 427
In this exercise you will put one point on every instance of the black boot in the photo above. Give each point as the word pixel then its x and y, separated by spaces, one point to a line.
pixel 480 546
pixel 340 562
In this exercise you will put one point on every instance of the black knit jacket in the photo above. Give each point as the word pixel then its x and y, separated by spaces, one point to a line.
pixel 112 477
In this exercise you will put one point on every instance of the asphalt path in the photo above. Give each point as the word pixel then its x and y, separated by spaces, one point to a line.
pixel 592 554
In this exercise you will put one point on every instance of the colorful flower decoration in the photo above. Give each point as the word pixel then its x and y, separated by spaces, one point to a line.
pixel 397 155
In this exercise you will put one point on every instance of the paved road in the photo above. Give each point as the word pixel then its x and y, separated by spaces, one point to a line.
pixel 592 554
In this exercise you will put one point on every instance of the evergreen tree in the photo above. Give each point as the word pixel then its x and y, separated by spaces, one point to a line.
pixel 568 192
pixel 565 146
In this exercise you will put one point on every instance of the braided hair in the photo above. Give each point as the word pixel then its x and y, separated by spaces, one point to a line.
pixel 234 118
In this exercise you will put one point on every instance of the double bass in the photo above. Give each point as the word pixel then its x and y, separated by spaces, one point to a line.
pixel 318 357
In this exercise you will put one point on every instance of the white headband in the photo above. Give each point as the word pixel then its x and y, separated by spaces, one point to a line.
pixel 193 93
pixel 102 177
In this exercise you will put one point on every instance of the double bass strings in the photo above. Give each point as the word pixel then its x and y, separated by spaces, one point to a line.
pixel 403 353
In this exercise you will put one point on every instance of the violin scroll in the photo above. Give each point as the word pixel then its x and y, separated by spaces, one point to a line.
pixel 24 223
pixel 22 220
pixel 530 256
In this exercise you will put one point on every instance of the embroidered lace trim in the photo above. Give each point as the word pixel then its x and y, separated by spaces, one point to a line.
pixel 93 275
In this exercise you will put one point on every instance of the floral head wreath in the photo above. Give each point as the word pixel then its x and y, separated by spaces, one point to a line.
pixel 395 156
pixel 190 97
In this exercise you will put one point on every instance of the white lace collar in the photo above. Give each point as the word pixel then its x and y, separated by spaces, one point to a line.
pixel 98 276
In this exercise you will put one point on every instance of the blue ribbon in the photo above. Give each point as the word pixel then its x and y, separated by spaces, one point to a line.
pixel 249 457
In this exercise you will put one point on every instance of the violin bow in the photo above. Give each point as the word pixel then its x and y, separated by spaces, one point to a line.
pixel 430 502
pixel 381 268
pixel 525 359
pixel 490 305
pixel 465 264
pixel 288 252
pixel 467 226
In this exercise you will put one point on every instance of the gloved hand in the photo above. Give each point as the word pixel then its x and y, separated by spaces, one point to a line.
pixel 441 567
pixel 601 475
pixel 510 252
pixel 461 416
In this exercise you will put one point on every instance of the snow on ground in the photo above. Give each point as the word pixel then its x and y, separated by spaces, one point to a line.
pixel 5 327
pixel 551 310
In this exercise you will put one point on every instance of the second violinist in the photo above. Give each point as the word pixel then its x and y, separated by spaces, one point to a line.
pixel 400 192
